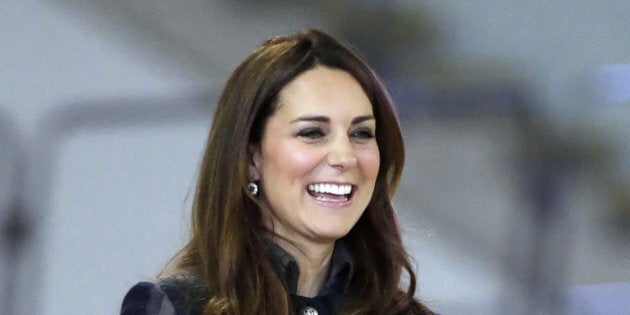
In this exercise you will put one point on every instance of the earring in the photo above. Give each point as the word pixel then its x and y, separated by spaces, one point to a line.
pixel 253 188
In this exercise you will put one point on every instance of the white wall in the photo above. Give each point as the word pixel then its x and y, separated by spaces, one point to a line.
pixel 99 196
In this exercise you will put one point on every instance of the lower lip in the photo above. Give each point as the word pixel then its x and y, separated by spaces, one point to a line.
pixel 331 203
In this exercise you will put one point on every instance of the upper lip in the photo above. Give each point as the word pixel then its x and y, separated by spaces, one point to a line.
pixel 331 182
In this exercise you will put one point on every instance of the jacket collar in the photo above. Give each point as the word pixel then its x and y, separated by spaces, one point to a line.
pixel 339 275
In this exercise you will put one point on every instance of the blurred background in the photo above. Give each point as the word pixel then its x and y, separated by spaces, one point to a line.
pixel 516 115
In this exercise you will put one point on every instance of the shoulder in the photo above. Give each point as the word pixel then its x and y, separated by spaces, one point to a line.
pixel 146 298
pixel 166 296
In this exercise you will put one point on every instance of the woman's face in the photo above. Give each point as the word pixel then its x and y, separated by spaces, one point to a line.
pixel 318 159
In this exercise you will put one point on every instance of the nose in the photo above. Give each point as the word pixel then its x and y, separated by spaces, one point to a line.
pixel 342 154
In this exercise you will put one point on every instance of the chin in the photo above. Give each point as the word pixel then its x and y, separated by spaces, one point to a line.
pixel 332 234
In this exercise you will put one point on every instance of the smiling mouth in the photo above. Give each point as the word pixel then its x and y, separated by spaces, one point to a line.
pixel 330 192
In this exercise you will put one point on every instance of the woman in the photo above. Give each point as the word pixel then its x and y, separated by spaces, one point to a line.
pixel 292 211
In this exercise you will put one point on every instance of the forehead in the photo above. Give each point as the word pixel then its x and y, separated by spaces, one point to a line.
pixel 324 90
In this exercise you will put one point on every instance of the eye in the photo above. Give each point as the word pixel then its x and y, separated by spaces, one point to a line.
pixel 311 133
pixel 363 133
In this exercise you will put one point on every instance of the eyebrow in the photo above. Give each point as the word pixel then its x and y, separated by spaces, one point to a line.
pixel 325 119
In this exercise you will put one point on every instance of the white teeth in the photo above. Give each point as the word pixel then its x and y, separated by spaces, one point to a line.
pixel 330 189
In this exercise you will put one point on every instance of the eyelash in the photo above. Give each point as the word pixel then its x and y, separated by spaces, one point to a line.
pixel 316 133
pixel 363 134
pixel 311 133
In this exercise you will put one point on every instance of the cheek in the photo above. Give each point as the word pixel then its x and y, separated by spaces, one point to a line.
pixel 370 160
pixel 289 161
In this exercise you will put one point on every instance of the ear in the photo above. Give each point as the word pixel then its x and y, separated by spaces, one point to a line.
pixel 255 162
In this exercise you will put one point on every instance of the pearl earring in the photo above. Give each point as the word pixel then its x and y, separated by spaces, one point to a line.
pixel 253 188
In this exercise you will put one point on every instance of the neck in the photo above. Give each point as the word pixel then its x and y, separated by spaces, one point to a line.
pixel 313 261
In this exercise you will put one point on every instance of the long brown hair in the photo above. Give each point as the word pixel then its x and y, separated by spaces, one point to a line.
pixel 226 247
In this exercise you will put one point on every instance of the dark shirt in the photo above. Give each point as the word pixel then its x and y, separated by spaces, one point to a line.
pixel 182 295
pixel 332 294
